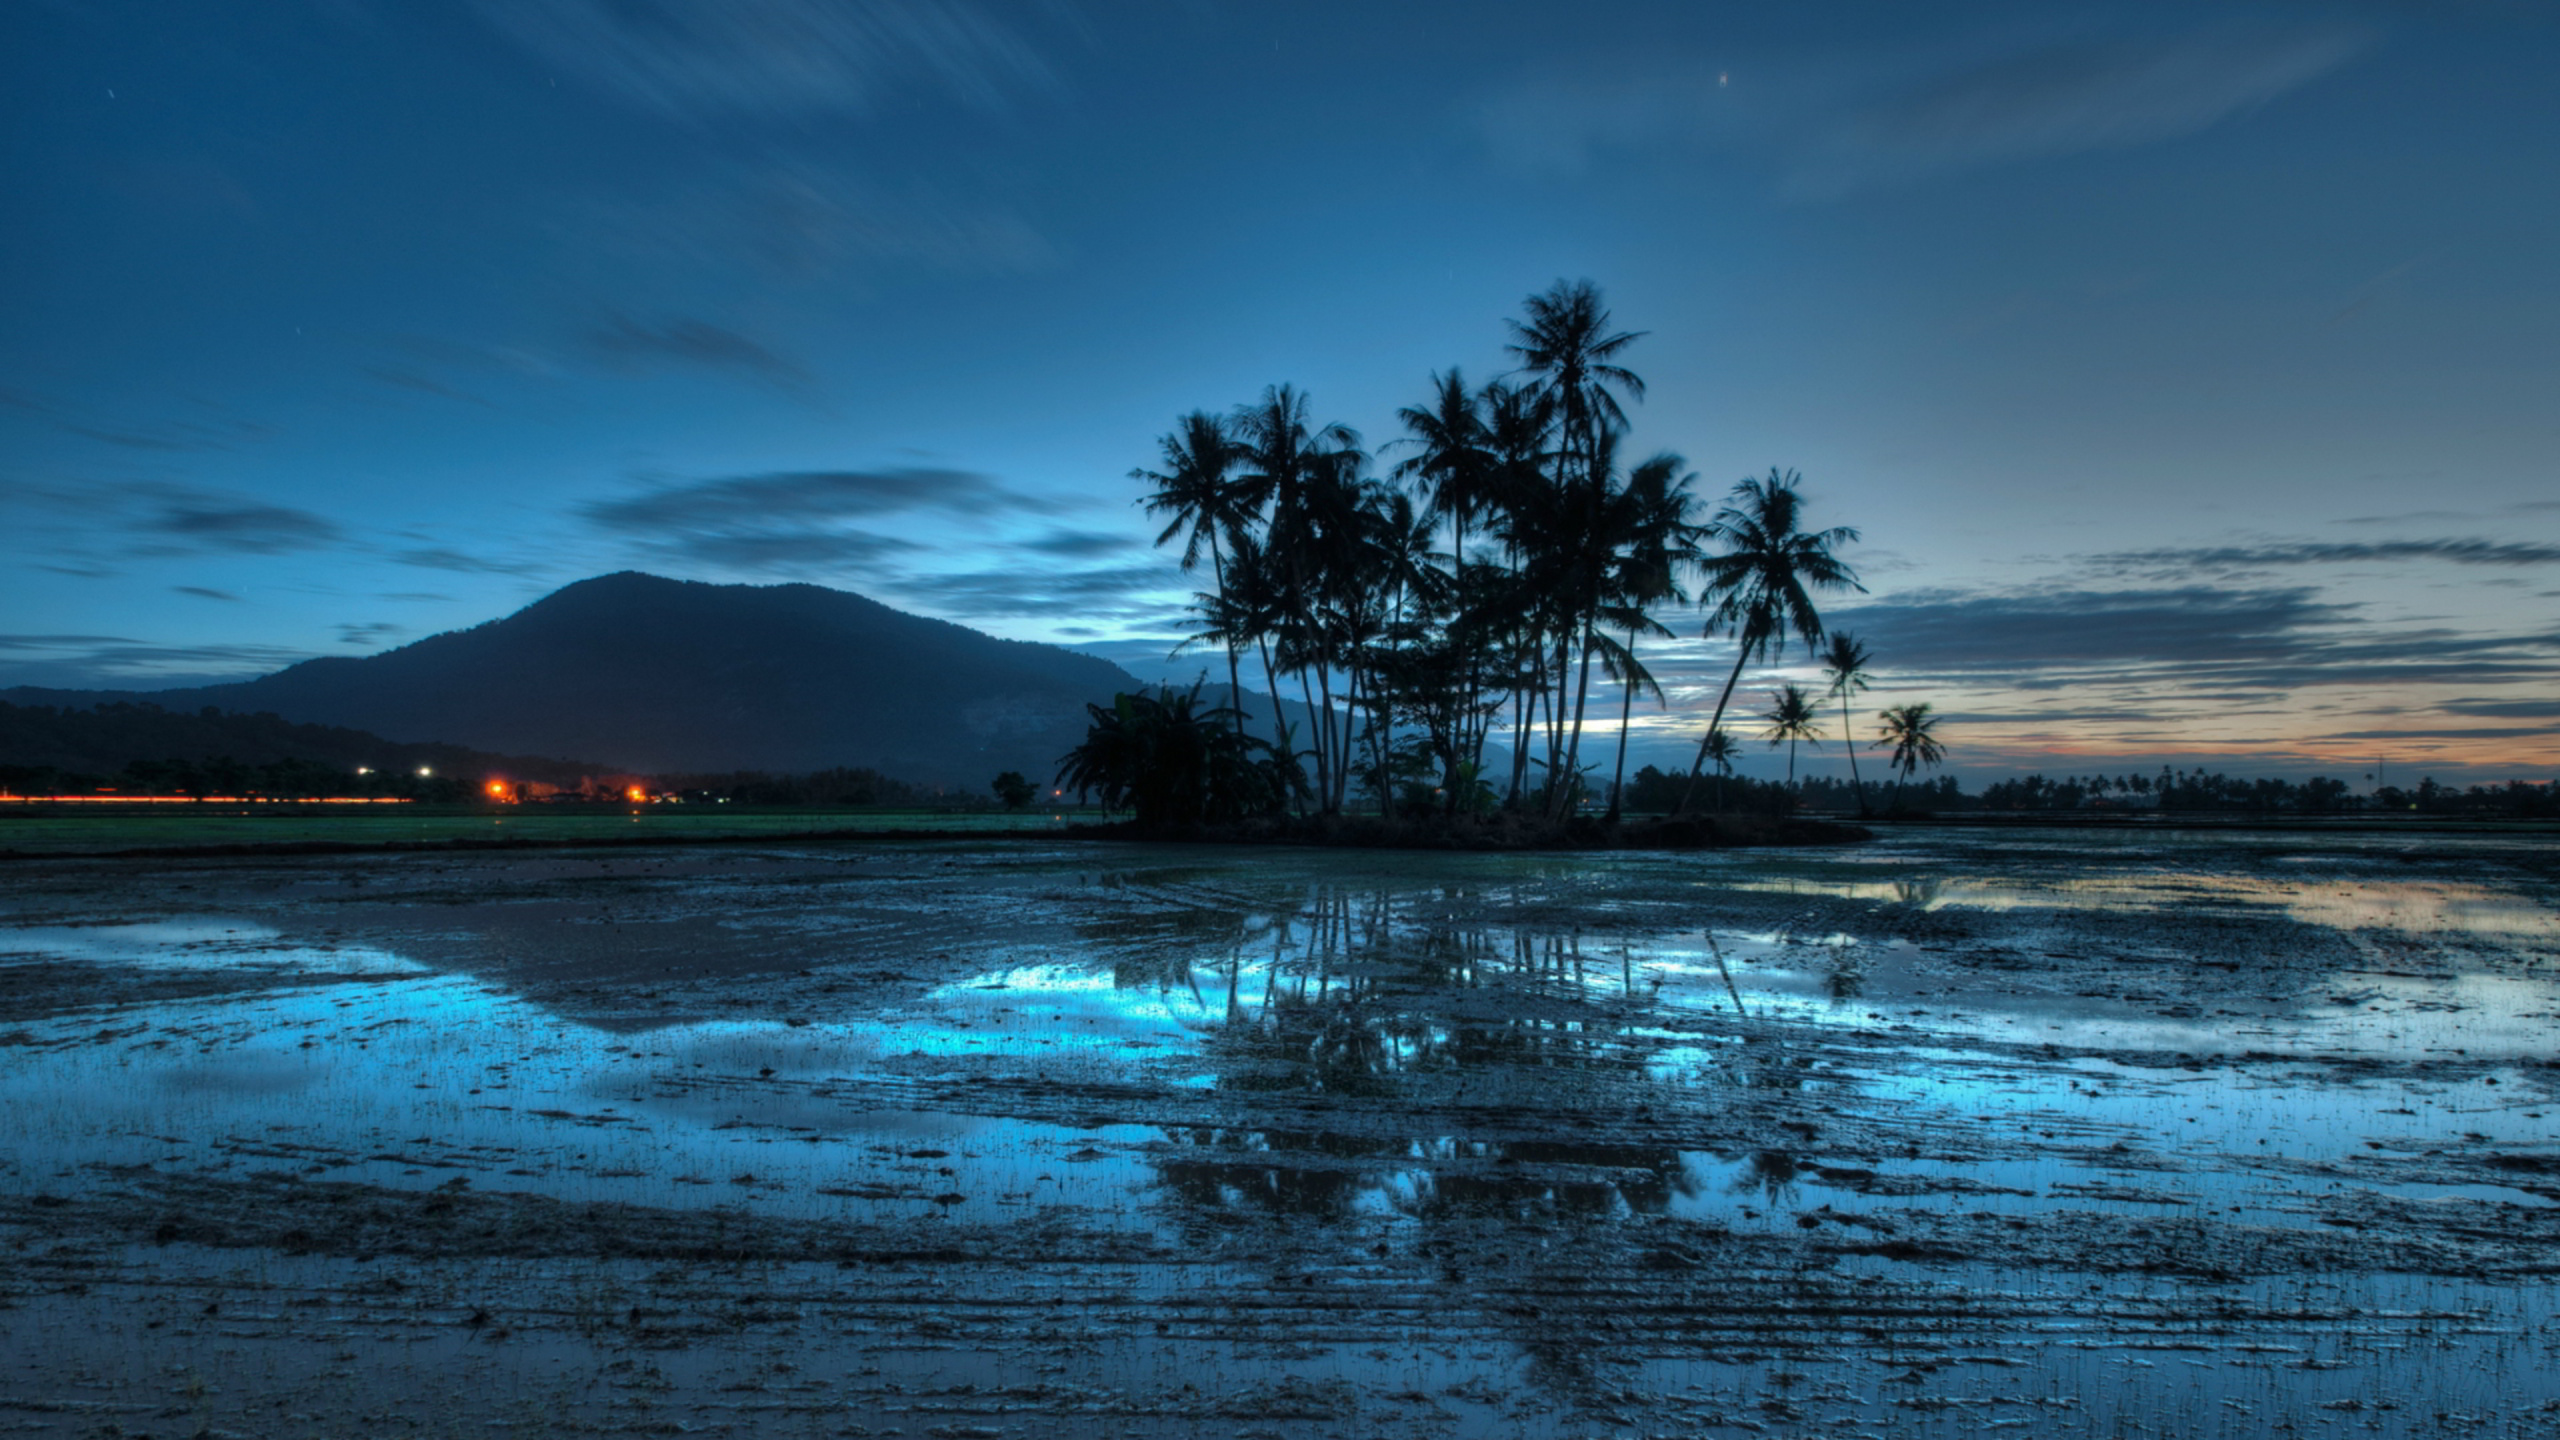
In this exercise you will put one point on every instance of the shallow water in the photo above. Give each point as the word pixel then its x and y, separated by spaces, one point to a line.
pixel 2023 1091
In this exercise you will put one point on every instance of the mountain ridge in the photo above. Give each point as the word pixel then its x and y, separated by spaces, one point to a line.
pixel 655 675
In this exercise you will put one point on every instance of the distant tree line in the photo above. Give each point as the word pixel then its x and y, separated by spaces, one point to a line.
pixel 841 787
pixel 2171 791
pixel 82 748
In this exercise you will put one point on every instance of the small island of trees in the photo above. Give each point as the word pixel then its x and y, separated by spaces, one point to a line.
pixel 1483 574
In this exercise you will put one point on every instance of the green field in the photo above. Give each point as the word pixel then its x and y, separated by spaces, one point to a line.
pixel 34 832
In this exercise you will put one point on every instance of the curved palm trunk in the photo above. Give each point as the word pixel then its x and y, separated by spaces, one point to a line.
pixel 1713 723
pixel 1626 715
pixel 1562 804
pixel 1235 682
pixel 1849 737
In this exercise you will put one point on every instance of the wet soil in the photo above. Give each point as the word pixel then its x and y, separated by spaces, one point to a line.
pixel 1949 1133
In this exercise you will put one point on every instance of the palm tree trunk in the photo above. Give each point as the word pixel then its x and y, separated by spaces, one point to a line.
pixel 1235 684
pixel 1713 722
pixel 1573 747
pixel 1849 736
pixel 1522 716
pixel 1314 722
pixel 1626 714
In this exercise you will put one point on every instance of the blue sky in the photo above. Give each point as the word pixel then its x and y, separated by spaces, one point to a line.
pixel 2193 372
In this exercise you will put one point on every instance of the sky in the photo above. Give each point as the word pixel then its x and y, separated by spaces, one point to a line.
pixel 2191 372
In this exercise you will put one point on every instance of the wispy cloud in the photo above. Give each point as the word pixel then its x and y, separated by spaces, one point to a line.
pixel 113 662
pixel 212 428
pixel 205 522
pixel 1121 595
pixel 777 58
pixel 2180 561
pixel 642 344
pixel 801 523
pixel 1851 123
pixel 439 557
pixel 804 220
pixel 2071 97
pixel 204 593
pixel 369 634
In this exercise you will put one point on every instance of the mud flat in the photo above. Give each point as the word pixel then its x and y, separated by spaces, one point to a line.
pixel 1950 1133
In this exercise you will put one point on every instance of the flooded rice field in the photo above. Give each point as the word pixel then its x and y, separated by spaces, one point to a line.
pixel 1951 1133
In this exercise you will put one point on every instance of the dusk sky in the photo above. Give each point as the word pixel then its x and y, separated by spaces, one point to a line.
pixel 2193 372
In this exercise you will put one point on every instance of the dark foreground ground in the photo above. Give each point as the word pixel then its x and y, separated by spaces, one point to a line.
pixel 1948 1134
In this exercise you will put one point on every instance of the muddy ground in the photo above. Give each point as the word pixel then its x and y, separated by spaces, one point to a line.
pixel 1945 1134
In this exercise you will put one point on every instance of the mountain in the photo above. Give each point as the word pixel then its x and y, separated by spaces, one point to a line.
pixel 664 676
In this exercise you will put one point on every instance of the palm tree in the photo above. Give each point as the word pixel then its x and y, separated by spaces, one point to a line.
pixel 1911 731
pixel 1196 489
pixel 1792 718
pixel 1845 660
pixel 1567 345
pixel 1721 748
pixel 1294 473
pixel 1653 539
pixel 1759 586
pixel 1452 461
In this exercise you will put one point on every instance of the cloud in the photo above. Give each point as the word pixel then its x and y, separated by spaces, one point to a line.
pixel 201 592
pixel 1120 594
pixel 368 634
pixel 111 662
pixel 776 58
pixel 2070 98
pixel 805 221
pixel 2182 644
pixel 424 385
pixel 800 522
pixel 1079 544
pixel 2223 560
pixel 214 430
pixel 248 528
pixel 2505 709
pixel 807 495
pixel 1853 122
pixel 784 553
pixel 645 345
pixel 438 557
pixel 2009 633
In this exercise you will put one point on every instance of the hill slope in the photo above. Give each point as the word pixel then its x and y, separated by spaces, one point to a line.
pixel 664 676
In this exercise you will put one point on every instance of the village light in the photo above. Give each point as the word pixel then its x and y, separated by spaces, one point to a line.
pixel 423 771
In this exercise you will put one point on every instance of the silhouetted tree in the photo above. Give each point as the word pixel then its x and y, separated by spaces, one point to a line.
pixel 1791 719
pixel 1759 588
pixel 1844 661
pixel 1911 732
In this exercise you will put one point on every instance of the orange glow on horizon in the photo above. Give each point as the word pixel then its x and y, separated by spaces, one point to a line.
pixel 9 799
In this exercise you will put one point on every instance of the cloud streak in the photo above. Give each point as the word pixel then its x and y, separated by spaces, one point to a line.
pixel 2228 559
pixel 2071 98
pixel 771 59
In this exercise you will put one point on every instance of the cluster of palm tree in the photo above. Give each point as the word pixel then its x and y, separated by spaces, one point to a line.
pixel 1561 556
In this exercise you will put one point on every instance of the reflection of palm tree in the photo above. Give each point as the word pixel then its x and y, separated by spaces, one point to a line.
pixel 1760 586
pixel 1845 660
pixel 1912 733
pixel 1791 718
